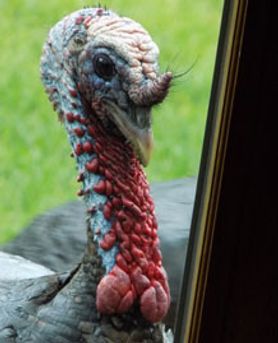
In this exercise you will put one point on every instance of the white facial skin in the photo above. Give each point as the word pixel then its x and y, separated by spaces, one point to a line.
pixel 130 40
pixel 125 98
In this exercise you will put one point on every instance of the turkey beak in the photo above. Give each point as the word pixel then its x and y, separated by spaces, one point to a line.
pixel 135 125
pixel 143 146
pixel 142 139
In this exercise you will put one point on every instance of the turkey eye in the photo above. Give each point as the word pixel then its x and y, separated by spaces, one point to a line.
pixel 104 67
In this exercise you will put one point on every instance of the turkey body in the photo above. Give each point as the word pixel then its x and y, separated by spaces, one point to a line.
pixel 57 238
pixel 60 308
pixel 38 305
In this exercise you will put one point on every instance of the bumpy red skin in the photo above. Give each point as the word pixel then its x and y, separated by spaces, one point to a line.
pixel 138 274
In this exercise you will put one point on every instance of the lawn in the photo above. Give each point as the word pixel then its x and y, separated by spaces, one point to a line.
pixel 36 172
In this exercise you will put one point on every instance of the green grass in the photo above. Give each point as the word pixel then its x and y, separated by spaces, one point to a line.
pixel 36 172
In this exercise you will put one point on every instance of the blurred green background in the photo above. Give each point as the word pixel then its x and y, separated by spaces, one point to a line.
pixel 36 172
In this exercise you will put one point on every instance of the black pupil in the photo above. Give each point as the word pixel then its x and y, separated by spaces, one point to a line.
pixel 104 67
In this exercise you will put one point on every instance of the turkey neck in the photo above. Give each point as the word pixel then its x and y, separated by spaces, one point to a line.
pixel 115 190
pixel 121 218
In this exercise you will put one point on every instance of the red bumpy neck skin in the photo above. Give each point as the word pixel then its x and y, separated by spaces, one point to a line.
pixel 138 274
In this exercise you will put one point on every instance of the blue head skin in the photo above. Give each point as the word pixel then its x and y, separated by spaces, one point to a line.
pixel 97 63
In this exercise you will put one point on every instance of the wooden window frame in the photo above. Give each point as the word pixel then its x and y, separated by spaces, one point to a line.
pixel 230 280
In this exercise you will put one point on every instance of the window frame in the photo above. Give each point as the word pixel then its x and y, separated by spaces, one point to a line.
pixel 195 305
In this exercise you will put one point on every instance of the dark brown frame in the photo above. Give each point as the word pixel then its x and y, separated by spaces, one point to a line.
pixel 231 273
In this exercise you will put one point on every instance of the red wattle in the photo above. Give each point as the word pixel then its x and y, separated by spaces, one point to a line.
pixel 114 292
pixel 154 302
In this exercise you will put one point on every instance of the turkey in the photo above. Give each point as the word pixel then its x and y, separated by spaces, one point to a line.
pixel 101 74
pixel 57 238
